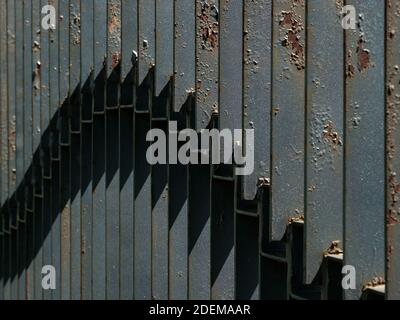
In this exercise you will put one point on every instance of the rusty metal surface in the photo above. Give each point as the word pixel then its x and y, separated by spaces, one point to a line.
pixel 76 189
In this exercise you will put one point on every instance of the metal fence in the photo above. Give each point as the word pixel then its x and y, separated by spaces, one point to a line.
pixel 77 193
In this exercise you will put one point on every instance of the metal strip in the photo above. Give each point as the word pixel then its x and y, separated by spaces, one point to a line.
pixel 365 145
pixel 231 73
pixel 178 217
pixel 87 83
pixel 288 115
pixel 142 230
pixel 164 69
pixel 129 50
pixel 75 42
pixel 222 241
pixel 45 143
pixel 199 232
pixel 324 133
pixel 53 132
pixel 146 38
pixel 64 140
pixel 184 55
pixel 112 148
pixel 160 200
pixel 257 89
pixel 99 140
pixel 128 92
pixel 392 145
pixel 207 58
pixel 126 151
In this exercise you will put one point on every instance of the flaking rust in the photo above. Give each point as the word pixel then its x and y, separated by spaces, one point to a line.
pixel 209 31
pixel 114 33
pixel 292 25
pixel 392 123
pixel 75 25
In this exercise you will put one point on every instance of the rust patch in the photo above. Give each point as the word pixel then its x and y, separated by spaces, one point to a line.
pixel 209 26
pixel 292 25
pixel 364 60
pixel 115 59
pixel 11 138
pixel 331 136
pixel 75 26
pixel 334 248
pixel 296 219
pixel 350 69
pixel 377 281
pixel 36 78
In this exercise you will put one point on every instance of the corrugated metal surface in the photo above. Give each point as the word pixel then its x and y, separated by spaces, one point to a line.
pixel 77 192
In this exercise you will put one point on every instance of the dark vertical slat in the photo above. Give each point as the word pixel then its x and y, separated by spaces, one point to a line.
pixel 75 43
pixel 142 198
pixel 126 204
pixel 45 142
pixel 178 216
pixel 38 172
pixel 257 89
pixel 287 134
pixel 112 148
pixel 28 145
pixel 392 145
pixel 128 97
pixel 99 182
pixel 207 57
pixel 3 149
pixel 365 145
pixel 247 258
pixel 324 135
pixel 200 232
pixel 64 21
pixel 159 201
pixel 184 53
pixel 53 130
pixel 87 63
pixel 222 241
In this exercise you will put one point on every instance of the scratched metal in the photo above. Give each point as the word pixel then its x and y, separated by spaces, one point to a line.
pixel 392 150
pixel 184 54
pixel 164 58
pixel 257 90
pixel 288 116
pixel 207 52
pixel 365 145
pixel 324 133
